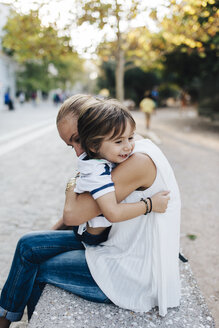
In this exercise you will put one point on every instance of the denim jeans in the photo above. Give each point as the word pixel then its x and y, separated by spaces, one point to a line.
pixel 53 257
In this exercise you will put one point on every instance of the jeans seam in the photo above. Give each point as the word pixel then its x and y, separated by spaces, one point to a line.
pixel 12 289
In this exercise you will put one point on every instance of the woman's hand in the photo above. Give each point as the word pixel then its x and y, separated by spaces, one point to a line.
pixel 160 201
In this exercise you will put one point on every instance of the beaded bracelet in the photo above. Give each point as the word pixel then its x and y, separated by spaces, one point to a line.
pixel 146 203
pixel 150 204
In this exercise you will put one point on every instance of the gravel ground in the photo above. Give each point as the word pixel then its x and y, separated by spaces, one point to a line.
pixel 33 178
pixel 75 312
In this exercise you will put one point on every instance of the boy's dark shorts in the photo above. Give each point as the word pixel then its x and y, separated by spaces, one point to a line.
pixel 91 239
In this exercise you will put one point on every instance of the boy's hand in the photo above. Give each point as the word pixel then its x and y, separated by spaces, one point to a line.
pixel 160 201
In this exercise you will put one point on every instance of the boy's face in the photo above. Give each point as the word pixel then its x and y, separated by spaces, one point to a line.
pixel 68 131
pixel 117 150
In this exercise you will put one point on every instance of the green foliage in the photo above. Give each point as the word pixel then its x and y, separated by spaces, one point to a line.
pixel 113 14
pixel 107 78
pixel 209 97
pixel 32 77
pixel 136 81
pixel 168 90
pixel 69 69
pixel 35 47
pixel 192 24
pixel 110 13
pixel 191 38
pixel 28 39
pixel 196 74
pixel 94 12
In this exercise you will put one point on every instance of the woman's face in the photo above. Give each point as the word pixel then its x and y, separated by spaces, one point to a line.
pixel 68 131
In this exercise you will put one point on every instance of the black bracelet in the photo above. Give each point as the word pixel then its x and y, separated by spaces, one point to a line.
pixel 146 203
pixel 150 204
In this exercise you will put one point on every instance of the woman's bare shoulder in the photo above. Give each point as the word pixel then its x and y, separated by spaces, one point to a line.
pixel 138 168
pixel 140 160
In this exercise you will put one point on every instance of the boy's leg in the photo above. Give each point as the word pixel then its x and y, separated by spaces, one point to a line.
pixel 32 250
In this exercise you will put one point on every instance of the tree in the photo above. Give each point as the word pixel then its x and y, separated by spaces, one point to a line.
pixel 185 49
pixel 136 81
pixel 193 24
pixel 107 78
pixel 191 38
pixel 36 47
pixel 111 14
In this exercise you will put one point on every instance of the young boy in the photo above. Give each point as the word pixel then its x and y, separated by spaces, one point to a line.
pixel 106 133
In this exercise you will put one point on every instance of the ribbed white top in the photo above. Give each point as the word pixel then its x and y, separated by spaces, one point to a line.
pixel 137 268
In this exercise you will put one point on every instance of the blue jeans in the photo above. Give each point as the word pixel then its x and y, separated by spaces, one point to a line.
pixel 53 257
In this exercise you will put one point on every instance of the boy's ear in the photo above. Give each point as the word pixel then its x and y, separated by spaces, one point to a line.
pixel 95 148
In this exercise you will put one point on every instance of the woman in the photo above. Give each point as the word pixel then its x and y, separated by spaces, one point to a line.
pixel 56 257
pixel 143 248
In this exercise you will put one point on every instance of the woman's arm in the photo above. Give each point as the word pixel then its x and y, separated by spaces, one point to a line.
pixel 137 171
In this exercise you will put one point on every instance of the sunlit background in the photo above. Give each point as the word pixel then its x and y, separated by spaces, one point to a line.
pixel 91 46
pixel 168 49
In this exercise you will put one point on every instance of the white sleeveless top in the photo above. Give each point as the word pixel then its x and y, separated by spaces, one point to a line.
pixel 138 267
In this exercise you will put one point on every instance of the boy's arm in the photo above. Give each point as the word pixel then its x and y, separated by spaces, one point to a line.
pixel 115 212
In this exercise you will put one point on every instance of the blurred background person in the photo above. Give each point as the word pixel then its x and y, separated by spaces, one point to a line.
pixel 155 96
pixel 21 97
pixel 8 101
pixel 147 106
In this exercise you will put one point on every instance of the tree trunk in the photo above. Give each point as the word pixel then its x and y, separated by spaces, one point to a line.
pixel 120 58
pixel 120 63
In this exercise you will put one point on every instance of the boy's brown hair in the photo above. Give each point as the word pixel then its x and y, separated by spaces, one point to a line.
pixel 100 119
pixel 97 118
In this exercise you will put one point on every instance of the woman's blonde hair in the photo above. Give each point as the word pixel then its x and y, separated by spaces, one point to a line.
pixel 97 118
pixel 75 105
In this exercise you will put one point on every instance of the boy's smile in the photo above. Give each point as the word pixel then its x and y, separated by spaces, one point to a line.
pixel 119 149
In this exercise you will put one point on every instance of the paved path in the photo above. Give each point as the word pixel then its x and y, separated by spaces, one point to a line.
pixel 35 165
pixel 33 176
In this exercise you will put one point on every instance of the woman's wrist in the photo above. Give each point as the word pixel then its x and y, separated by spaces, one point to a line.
pixel 71 183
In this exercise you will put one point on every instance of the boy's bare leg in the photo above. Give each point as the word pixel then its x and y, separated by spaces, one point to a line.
pixel 4 323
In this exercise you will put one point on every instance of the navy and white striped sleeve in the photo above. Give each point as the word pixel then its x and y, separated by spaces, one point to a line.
pixel 98 183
